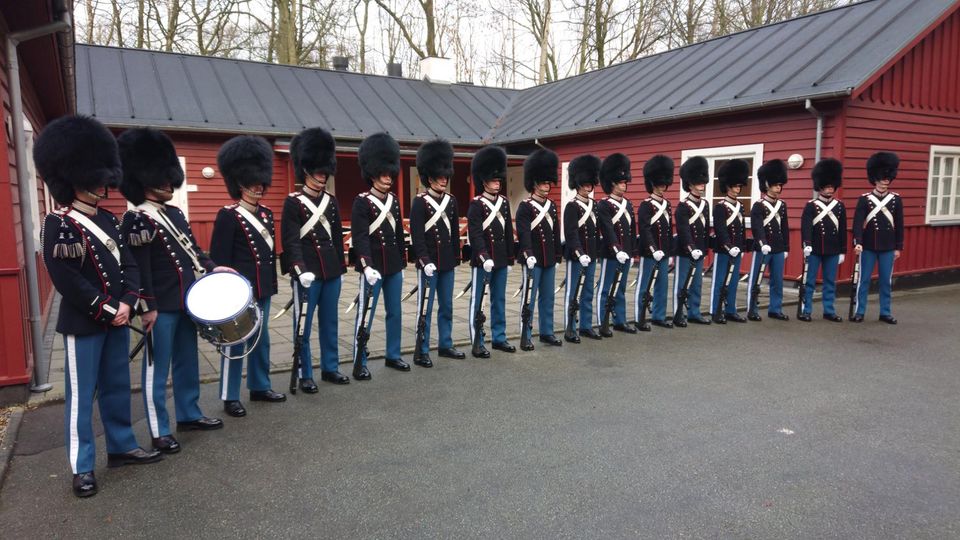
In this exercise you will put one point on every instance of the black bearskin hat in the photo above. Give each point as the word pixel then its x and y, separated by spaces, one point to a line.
pixel 733 173
pixel 149 161
pixel 489 163
pixel 583 170
pixel 882 165
pixel 76 152
pixel 245 161
pixel 771 173
pixel 313 151
pixel 540 166
pixel 434 160
pixel 657 171
pixel 379 154
pixel 694 172
pixel 827 172
pixel 615 168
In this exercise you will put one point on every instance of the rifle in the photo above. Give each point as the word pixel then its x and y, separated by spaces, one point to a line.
pixel 854 285
pixel 722 303
pixel 526 314
pixel 684 294
pixel 611 300
pixel 573 309
pixel 803 286
pixel 755 286
pixel 422 316
pixel 479 318
pixel 641 323
pixel 298 329
pixel 363 334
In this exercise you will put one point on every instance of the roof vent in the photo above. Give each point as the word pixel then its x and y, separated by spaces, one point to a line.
pixel 341 63
pixel 437 70
pixel 394 69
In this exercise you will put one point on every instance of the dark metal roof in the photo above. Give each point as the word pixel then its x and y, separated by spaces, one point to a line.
pixel 136 87
pixel 826 54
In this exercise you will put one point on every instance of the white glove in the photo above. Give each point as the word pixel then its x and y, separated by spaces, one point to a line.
pixel 658 255
pixel 488 265
pixel 807 251
pixel 531 262
pixel 307 279
pixel 765 249
pixel 842 258
pixel 734 252
pixel 785 255
pixel 584 261
pixel 622 257
pixel 696 254
pixel 372 275
pixel 429 269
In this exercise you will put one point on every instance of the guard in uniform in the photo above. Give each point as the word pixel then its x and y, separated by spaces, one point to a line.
pixel 618 238
pixel 693 235
pixel 771 237
pixel 729 227
pixel 243 238
pixel 656 239
pixel 490 230
pixel 170 261
pixel 435 232
pixel 878 233
pixel 582 240
pixel 823 229
pixel 92 268
pixel 380 245
pixel 312 237
pixel 538 232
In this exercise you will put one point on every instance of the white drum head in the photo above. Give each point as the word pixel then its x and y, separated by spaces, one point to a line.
pixel 218 297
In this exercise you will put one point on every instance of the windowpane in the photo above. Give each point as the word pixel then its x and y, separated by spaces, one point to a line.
pixel 947 185
pixel 936 165
pixel 948 166
pixel 934 184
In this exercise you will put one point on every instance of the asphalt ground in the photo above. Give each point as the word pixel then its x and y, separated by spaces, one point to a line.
pixel 763 430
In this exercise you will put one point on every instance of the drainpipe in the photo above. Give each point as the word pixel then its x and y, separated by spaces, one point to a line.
pixel 813 110
pixel 28 197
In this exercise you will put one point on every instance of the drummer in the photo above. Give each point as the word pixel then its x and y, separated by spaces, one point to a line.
pixel 243 238
pixel 169 261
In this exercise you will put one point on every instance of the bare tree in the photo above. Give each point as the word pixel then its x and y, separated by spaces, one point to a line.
pixel 405 24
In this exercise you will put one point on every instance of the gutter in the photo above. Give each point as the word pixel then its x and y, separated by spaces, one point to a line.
pixel 285 149
pixel 28 200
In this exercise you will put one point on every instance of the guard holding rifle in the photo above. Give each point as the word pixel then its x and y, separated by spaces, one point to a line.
pixel 656 239
pixel 243 238
pixel 771 240
pixel 91 266
pixel 380 249
pixel 729 226
pixel 490 229
pixel 538 232
pixel 618 245
pixel 435 234
pixel 582 244
pixel 823 229
pixel 878 234
pixel 693 235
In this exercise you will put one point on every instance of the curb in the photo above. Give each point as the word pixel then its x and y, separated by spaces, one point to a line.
pixel 9 441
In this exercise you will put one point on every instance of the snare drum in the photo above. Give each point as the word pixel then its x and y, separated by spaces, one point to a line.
pixel 222 306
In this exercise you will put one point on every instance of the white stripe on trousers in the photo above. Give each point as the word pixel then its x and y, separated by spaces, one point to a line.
pixel 856 297
pixel 566 296
pixel 599 298
pixel 74 402
pixel 471 305
pixel 151 406
pixel 713 281
pixel 750 282
pixel 637 301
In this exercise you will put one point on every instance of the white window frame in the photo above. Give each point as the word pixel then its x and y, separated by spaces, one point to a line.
pixel 754 151
pixel 953 218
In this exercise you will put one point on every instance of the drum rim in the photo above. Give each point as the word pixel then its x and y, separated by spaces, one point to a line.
pixel 197 319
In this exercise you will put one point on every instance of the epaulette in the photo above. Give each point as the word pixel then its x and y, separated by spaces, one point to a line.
pixel 69 244
pixel 230 206
pixel 476 197
pixel 294 194
pixel 141 230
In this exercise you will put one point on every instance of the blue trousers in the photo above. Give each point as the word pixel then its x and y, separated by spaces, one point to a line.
pixel 497 285
pixel 608 268
pixel 541 296
pixel 696 285
pixel 324 298
pixel 721 264
pixel 658 311
pixel 258 361
pixel 884 260
pixel 441 291
pixel 174 346
pixel 574 268
pixel 830 264
pixel 775 284
pixel 392 287
pixel 97 365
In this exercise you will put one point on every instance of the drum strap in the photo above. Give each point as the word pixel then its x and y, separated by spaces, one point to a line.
pixel 160 217
pixel 95 230
pixel 256 224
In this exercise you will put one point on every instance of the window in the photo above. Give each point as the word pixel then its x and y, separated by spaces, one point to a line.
pixel 943 188
pixel 716 157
